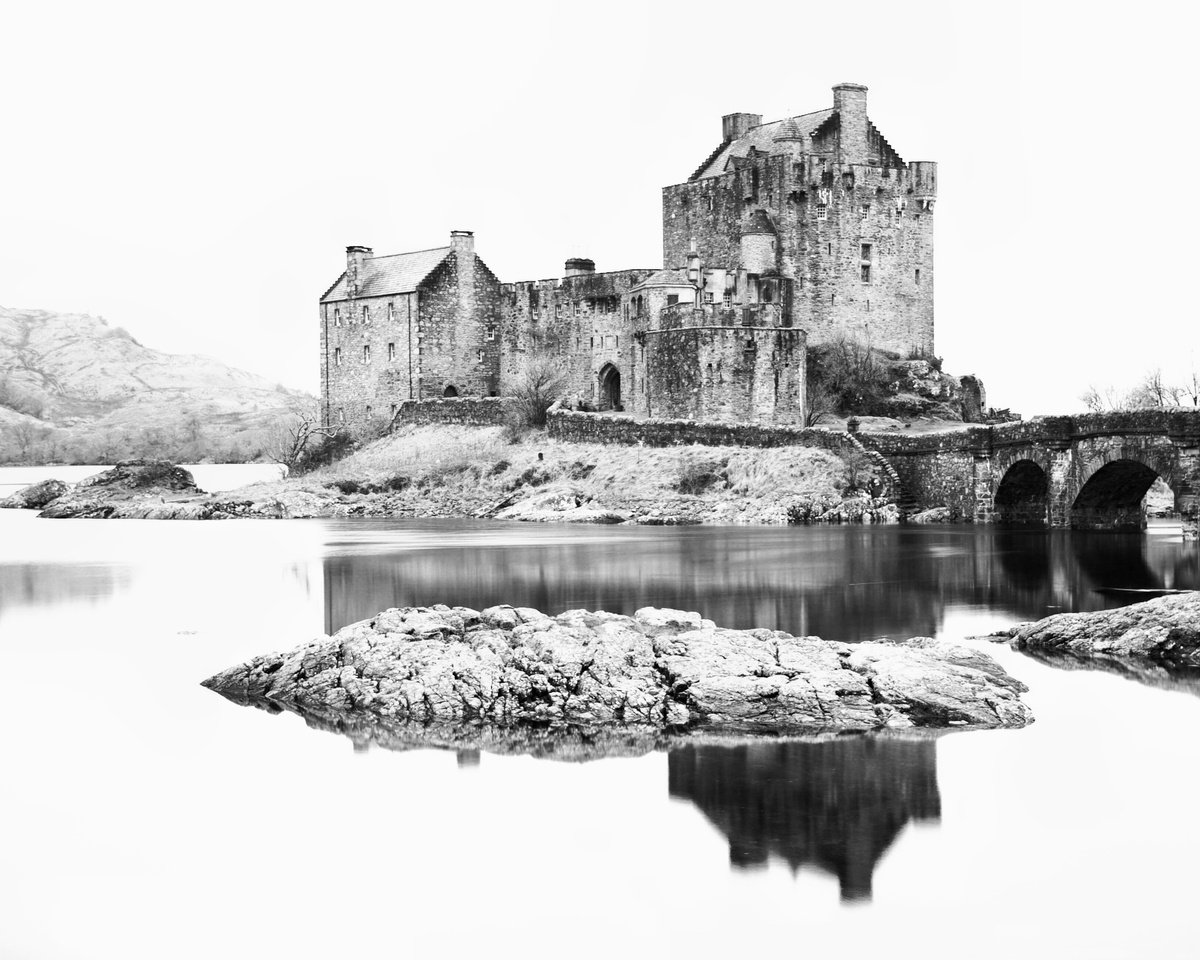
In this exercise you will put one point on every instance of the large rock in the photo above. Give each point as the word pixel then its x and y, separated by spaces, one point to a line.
pixel 659 669
pixel 35 496
pixel 1166 629
pixel 138 483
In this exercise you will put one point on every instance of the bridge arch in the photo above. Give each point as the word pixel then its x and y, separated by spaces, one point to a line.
pixel 1023 494
pixel 1111 483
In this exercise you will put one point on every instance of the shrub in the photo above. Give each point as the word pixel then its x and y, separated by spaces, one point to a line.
pixel 698 474
pixel 539 384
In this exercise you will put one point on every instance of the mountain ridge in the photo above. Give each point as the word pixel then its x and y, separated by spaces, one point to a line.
pixel 81 386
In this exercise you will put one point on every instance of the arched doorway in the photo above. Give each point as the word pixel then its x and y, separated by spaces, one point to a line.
pixel 450 391
pixel 610 387
pixel 1112 497
pixel 1023 495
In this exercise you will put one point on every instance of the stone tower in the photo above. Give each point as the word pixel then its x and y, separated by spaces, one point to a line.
pixel 821 209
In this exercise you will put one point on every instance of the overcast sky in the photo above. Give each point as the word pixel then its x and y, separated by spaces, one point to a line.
pixel 195 172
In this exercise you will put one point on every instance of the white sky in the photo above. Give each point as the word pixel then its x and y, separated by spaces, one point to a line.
pixel 194 173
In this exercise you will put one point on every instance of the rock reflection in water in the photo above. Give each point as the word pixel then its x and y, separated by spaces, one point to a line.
pixel 834 804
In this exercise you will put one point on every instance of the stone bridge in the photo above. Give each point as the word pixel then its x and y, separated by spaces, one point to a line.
pixel 1089 471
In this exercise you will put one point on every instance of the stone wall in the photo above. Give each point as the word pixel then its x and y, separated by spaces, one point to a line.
pixel 468 411
pixel 583 322
pixel 612 428
pixel 731 373
pixel 368 358
pixel 459 345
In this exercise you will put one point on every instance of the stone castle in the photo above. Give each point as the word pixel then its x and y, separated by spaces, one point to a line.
pixel 790 233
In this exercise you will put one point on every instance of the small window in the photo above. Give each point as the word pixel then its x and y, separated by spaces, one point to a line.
pixel 727 298
pixel 866 251
pixel 617 340
pixel 368 411
pixel 391 312
pixel 479 356
pixel 917 274
pixel 576 308
pixel 708 296
pixel 341 415
pixel 672 299
pixel 393 411
pixel 337 316
pixel 822 211
pixel 366 314
pixel 337 356
pixel 866 273
pixel 366 353
pixel 491 334
pixel 391 351
pixel 865 209
pixel 592 343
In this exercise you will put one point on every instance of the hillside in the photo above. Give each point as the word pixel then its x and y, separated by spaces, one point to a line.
pixel 74 388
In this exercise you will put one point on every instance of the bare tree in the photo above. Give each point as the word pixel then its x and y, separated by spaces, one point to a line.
pixel 295 436
pixel 539 384
pixel 819 402
pixel 1104 399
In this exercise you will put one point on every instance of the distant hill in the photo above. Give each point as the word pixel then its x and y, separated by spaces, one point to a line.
pixel 72 388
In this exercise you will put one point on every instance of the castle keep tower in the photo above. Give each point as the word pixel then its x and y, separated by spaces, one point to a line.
pixel 851 221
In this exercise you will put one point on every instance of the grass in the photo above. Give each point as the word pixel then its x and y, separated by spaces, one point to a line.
pixel 470 470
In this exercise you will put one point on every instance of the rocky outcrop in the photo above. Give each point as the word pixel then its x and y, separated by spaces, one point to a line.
pixel 130 487
pixel 1166 630
pixel 34 497
pixel 659 670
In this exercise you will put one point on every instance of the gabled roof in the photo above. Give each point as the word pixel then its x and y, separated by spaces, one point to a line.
pixel 666 278
pixel 397 273
pixel 762 139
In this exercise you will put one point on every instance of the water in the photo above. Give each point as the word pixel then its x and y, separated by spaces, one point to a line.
pixel 144 816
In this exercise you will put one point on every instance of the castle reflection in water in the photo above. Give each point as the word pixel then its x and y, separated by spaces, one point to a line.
pixel 841 583
pixel 832 804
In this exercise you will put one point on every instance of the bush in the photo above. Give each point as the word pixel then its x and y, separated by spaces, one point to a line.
pixel 539 384
pixel 699 474
pixel 324 452
pixel 855 375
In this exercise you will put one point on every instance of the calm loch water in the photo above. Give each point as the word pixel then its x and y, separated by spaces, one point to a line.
pixel 145 817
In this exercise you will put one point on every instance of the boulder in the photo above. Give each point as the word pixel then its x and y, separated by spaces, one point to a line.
pixel 932 515
pixel 1166 629
pixel 143 484
pixel 35 496
pixel 661 670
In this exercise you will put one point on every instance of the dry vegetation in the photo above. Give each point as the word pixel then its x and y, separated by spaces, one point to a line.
pixel 478 471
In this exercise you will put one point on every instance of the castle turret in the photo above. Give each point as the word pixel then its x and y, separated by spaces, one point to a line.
pixel 850 101
pixel 789 139
pixel 758 244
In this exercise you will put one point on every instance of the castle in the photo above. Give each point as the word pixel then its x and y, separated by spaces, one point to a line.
pixel 790 233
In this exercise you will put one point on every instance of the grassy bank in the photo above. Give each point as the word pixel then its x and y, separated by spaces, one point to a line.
pixel 455 471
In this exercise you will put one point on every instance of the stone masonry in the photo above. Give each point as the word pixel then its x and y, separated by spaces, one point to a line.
pixel 790 232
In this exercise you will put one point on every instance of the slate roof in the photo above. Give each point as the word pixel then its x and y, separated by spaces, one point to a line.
pixel 396 273
pixel 666 278
pixel 762 139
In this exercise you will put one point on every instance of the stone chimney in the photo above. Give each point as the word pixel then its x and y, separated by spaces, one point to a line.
pixel 579 267
pixel 850 101
pixel 463 242
pixel 735 125
pixel 354 267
